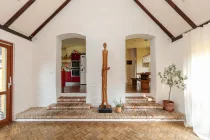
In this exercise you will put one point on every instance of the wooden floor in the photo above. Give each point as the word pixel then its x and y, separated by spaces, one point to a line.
pixel 96 131
pixel 134 88
pixel 74 89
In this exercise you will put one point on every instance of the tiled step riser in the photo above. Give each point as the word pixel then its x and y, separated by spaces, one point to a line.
pixel 139 101
pixel 141 107
pixel 73 99
pixel 41 113
pixel 70 101
pixel 69 106
pixel 54 108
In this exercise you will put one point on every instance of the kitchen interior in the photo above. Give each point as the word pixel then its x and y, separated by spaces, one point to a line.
pixel 138 75
pixel 73 71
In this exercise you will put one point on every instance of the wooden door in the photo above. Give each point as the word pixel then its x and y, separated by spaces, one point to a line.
pixel 6 68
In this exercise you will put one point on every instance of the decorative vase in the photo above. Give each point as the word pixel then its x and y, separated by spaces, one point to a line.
pixel 118 109
pixel 168 105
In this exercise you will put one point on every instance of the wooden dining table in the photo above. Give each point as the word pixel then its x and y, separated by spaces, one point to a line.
pixel 145 81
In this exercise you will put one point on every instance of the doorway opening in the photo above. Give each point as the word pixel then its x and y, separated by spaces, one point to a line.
pixel 6 68
pixel 73 65
pixel 138 72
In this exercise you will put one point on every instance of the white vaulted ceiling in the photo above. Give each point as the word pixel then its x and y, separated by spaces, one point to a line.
pixel 197 10
pixel 166 15
pixel 38 12
pixel 32 18
pixel 41 10
pixel 8 8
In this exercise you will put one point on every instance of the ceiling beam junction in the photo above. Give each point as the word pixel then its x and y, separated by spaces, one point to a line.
pixel 19 13
pixel 50 18
pixel 153 18
pixel 6 28
pixel 181 13
pixel 180 36
pixel 14 32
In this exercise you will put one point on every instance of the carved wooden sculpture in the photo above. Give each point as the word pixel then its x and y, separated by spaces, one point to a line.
pixel 105 68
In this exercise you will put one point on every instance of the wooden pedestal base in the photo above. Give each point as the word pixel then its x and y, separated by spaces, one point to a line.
pixel 104 110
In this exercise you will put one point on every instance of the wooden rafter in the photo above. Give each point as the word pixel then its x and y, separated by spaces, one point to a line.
pixel 177 38
pixel 19 13
pixel 181 13
pixel 153 18
pixel 50 18
pixel 14 32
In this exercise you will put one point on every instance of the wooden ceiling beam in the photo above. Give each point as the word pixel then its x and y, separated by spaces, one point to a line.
pixel 15 32
pixel 177 38
pixel 181 13
pixel 207 22
pixel 50 18
pixel 153 18
pixel 19 13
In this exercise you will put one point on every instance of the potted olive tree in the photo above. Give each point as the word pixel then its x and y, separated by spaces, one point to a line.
pixel 173 78
pixel 118 106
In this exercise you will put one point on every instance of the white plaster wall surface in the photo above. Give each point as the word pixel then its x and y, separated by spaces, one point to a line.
pixel 177 50
pixel 100 21
pixel 174 53
pixel 23 95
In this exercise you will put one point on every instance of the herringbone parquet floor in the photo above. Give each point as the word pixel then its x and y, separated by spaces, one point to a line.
pixel 96 131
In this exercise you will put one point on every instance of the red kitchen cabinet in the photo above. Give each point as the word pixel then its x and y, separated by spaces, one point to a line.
pixel 63 79
pixel 68 76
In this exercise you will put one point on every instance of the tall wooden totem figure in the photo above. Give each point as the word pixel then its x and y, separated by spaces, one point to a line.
pixel 105 68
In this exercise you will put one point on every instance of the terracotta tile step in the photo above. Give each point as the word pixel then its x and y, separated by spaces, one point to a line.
pixel 142 106
pixel 43 113
pixel 139 99
pixel 69 106
pixel 74 99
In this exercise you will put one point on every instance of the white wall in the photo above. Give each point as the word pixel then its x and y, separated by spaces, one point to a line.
pixel 174 53
pixel 177 51
pixel 23 95
pixel 36 63
pixel 100 21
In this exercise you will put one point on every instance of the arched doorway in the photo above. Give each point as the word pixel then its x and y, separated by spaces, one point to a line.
pixel 71 64
pixel 140 64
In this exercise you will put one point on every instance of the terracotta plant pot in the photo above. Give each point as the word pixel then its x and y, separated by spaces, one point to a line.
pixel 168 105
pixel 118 109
